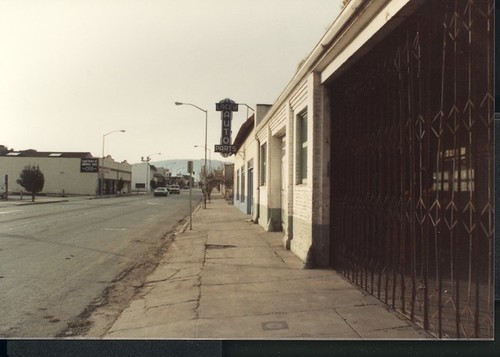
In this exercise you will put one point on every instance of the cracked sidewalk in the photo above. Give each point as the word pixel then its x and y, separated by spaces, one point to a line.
pixel 229 279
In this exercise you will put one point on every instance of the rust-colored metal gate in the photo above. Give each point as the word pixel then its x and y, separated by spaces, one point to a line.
pixel 412 169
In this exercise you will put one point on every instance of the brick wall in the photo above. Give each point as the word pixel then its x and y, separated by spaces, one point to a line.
pixel 298 209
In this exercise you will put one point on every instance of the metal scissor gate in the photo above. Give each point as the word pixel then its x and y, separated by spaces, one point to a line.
pixel 412 169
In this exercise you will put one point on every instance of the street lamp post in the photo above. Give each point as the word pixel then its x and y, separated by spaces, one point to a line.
pixel 205 168
pixel 209 157
pixel 147 160
pixel 101 191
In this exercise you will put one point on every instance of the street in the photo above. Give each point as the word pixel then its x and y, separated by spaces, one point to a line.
pixel 57 259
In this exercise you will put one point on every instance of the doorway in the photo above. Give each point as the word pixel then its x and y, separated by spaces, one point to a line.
pixel 250 191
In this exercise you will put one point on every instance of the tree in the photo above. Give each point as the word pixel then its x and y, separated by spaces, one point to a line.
pixel 159 181
pixel 32 179
pixel 3 149
pixel 214 179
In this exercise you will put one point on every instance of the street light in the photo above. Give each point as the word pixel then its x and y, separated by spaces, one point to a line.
pixel 205 168
pixel 147 160
pixel 209 156
pixel 102 163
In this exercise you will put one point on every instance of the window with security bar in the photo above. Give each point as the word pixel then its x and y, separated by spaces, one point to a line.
pixel 412 182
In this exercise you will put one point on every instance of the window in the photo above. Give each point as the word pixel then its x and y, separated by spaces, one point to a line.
pixel 302 147
pixel 455 174
pixel 263 164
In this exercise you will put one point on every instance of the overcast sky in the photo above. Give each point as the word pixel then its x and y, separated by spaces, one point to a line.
pixel 74 70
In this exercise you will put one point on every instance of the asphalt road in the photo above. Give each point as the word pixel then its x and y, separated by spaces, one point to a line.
pixel 56 259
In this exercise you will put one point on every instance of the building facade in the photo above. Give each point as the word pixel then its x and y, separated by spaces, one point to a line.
pixel 377 159
pixel 143 174
pixel 64 174
pixel 244 159
pixel 112 173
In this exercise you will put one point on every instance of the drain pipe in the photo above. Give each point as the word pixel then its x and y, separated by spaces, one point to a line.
pixel 257 208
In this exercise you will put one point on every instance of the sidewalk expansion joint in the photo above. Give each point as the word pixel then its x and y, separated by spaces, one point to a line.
pixel 347 323
pixel 185 278
pixel 279 256
pixel 161 280
pixel 255 282
pixel 393 328
pixel 170 304
pixel 198 301
pixel 363 305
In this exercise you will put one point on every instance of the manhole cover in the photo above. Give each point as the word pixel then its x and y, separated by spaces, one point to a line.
pixel 274 325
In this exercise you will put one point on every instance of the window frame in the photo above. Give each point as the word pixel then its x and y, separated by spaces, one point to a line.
pixel 302 149
pixel 263 164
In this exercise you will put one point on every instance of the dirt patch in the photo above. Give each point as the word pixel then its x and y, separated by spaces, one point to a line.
pixel 99 316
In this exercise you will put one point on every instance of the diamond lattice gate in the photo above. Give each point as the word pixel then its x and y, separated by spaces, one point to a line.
pixel 412 169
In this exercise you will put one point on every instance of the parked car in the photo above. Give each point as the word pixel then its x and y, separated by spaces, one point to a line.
pixel 174 189
pixel 160 191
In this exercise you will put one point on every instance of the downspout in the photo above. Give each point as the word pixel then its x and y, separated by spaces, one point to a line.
pixel 257 208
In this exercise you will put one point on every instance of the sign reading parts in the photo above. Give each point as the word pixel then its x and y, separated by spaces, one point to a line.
pixel 225 149
pixel 226 107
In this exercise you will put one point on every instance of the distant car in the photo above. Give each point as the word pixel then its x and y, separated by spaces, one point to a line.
pixel 174 189
pixel 160 191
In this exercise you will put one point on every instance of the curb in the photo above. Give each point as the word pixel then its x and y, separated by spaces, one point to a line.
pixel 186 224
pixel 39 203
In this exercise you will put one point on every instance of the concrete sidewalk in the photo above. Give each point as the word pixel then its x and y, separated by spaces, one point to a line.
pixel 229 279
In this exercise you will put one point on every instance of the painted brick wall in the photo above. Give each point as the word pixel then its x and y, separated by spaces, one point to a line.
pixel 274 177
pixel 60 174
pixel 320 176
pixel 299 198
pixel 263 213
pixel 301 242
pixel 302 193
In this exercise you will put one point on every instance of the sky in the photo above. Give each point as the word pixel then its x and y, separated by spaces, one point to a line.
pixel 72 72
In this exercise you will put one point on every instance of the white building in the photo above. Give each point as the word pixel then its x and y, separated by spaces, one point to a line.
pixel 377 159
pixel 244 189
pixel 142 175
pixel 65 173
